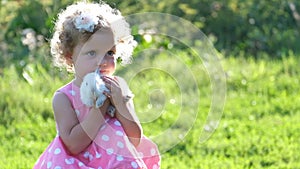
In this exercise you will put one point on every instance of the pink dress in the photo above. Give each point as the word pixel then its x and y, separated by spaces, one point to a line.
pixel 110 149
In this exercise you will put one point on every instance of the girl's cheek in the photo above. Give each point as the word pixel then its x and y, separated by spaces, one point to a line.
pixel 113 61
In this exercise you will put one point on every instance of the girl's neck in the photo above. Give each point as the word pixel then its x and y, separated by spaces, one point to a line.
pixel 77 81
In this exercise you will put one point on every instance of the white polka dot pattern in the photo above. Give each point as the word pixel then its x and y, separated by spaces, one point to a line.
pixel 120 144
pixel 120 158
pixel 57 151
pixel 49 164
pixel 109 151
pixel 117 123
pixel 105 138
pixel 77 112
pixel 134 164
pixel 119 133
pixel 98 155
pixel 70 161
pixel 110 147
pixel 153 151
pixel 72 92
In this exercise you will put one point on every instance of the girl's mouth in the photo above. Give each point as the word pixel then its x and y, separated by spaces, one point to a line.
pixel 103 71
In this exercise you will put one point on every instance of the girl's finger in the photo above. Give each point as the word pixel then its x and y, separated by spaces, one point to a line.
pixel 107 94
pixel 111 79
pixel 110 84
pixel 107 80
pixel 108 77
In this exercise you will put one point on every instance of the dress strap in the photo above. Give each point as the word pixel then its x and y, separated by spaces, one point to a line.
pixel 70 90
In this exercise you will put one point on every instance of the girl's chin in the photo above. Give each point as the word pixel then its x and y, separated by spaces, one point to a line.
pixel 105 73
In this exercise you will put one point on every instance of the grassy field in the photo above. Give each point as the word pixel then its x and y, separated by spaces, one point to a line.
pixel 260 126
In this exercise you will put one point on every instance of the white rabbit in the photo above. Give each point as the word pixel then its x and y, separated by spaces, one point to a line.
pixel 92 88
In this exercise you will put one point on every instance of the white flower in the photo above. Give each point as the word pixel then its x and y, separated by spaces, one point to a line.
pixel 86 22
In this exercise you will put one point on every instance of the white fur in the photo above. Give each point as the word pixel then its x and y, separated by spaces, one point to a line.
pixel 92 88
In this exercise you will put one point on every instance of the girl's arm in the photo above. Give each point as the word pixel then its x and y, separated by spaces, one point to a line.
pixel 75 135
pixel 126 115
pixel 125 110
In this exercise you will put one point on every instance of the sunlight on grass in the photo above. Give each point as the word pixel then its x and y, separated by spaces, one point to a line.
pixel 260 127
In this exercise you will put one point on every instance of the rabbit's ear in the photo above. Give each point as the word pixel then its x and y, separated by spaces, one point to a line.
pixel 97 71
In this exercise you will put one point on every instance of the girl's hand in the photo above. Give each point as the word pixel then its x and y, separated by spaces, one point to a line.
pixel 104 107
pixel 118 90
pixel 125 112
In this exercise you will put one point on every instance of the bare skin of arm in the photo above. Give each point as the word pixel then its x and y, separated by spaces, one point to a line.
pixel 130 122
pixel 125 110
pixel 75 135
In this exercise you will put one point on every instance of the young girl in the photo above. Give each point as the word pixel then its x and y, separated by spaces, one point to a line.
pixel 87 37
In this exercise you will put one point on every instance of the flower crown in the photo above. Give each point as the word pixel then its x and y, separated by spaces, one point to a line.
pixel 87 22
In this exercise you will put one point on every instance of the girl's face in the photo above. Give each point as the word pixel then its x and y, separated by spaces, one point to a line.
pixel 96 53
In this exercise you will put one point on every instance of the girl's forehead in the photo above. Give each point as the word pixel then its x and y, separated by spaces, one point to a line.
pixel 102 39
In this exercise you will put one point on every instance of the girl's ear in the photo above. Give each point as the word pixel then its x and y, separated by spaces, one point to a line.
pixel 69 58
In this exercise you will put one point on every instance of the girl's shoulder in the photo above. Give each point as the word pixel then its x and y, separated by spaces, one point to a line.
pixel 64 95
pixel 69 90
pixel 64 88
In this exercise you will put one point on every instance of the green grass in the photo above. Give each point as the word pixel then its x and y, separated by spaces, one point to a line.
pixel 260 126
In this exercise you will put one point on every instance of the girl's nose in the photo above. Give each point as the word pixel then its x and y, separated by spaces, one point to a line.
pixel 102 61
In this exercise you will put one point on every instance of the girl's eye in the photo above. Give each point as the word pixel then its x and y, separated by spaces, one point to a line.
pixel 110 53
pixel 91 53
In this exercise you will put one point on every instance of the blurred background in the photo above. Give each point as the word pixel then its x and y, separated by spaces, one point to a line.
pixel 259 48
pixel 238 28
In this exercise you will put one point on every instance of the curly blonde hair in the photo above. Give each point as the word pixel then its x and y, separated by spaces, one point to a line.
pixel 66 36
